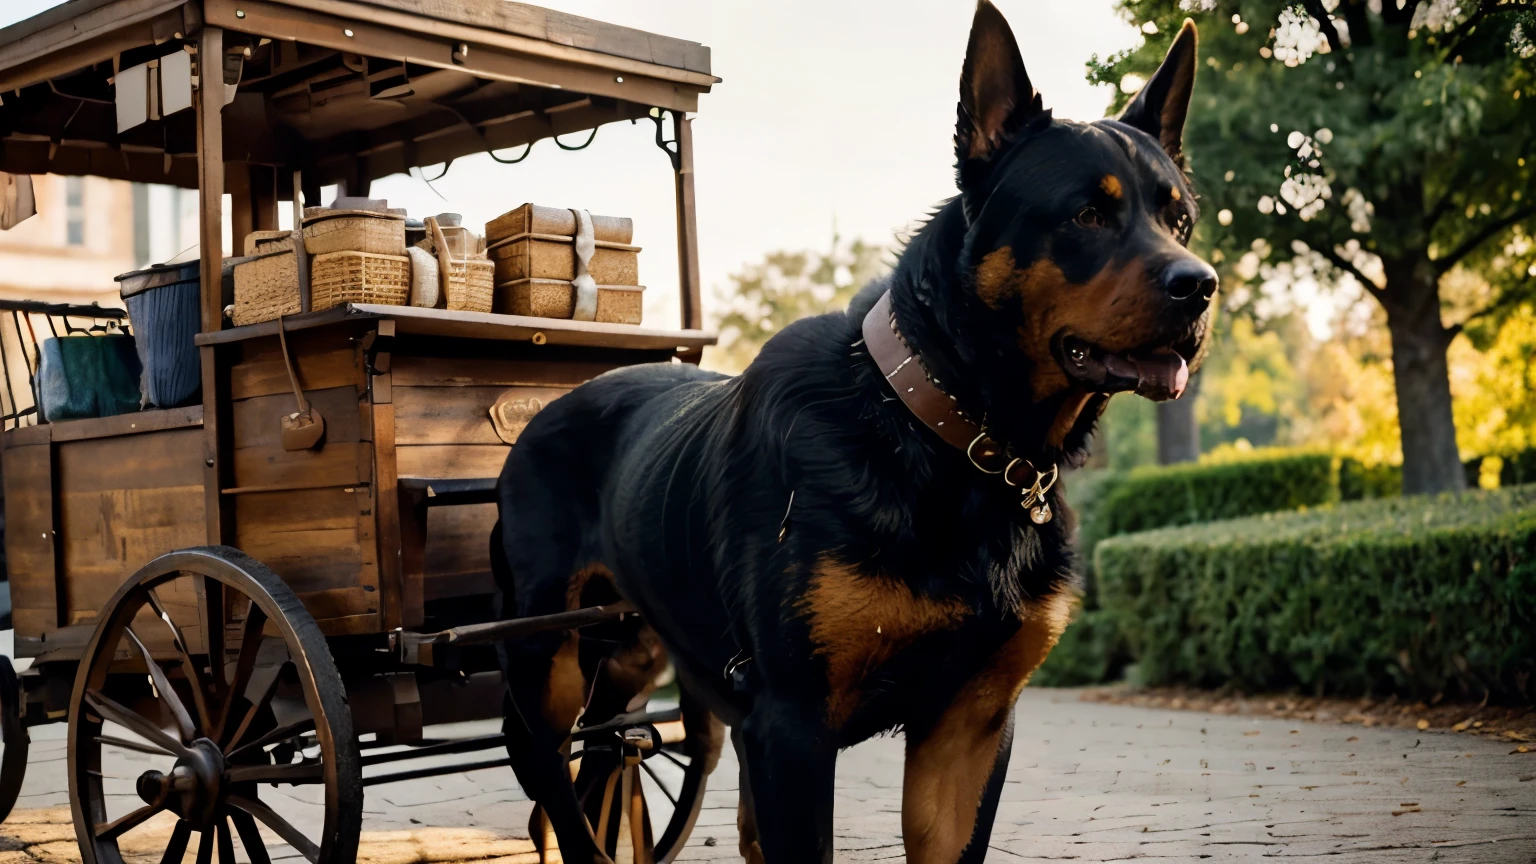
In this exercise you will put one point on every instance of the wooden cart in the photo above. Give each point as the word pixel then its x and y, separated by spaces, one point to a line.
pixel 195 598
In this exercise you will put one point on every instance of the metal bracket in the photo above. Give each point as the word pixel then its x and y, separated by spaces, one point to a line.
pixel 669 147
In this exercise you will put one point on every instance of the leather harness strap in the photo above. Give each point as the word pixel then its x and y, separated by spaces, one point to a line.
pixel 903 370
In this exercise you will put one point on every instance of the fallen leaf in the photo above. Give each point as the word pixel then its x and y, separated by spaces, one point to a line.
pixel 1461 782
pixel 1250 733
pixel 1422 724
pixel 1308 788
pixel 1521 749
pixel 1462 726
pixel 1352 739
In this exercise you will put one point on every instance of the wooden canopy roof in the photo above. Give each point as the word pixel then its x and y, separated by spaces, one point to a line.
pixel 346 90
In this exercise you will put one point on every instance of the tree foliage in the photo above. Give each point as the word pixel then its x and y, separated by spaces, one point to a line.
pixel 767 296
pixel 1376 147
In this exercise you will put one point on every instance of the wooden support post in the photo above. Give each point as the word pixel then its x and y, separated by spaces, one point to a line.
pixel 253 198
pixel 264 197
pixel 242 210
pixel 210 187
pixel 687 226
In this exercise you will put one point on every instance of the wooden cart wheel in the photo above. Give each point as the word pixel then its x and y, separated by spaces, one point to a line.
pixel 642 785
pixel 14 738
pixel 215 682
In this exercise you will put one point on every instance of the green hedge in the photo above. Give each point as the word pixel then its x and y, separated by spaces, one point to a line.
pixel 1156 497
pixel 1359 481
pixel 1417 596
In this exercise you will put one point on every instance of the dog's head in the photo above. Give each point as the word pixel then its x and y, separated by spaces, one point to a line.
pixel 1076 232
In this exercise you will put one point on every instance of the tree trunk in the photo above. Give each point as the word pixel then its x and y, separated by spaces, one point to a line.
pixel 1178 434
pixel 1431 459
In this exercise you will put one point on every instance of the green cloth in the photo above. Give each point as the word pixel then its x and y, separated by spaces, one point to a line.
pixel 87 376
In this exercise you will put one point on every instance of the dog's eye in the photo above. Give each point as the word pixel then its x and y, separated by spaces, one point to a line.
pixel 1089 217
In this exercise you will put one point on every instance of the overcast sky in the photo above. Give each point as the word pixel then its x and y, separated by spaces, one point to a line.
pixel 829 111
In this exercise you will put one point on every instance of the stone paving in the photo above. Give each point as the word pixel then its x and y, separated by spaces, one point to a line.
pixel 1088 782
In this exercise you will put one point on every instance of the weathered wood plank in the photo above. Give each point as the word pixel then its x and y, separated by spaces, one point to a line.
pixel 340 464
pixel 128 424
pixel 450 461
pixel 258 420
pixel 260 372
pixel 107 535
pixel 313 538
pixel 29 540
pixel 158 460
pixel 457 560
pixel 458 415
pixel 417 371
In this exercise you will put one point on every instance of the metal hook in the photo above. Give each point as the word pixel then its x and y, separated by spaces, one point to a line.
pixel 582 146
pixel 527 148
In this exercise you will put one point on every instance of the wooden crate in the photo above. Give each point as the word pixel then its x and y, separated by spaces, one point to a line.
pixel 553 298
pixel 537 219
pixel 552 256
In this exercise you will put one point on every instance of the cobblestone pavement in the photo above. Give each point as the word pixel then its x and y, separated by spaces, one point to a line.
pixel 1088 782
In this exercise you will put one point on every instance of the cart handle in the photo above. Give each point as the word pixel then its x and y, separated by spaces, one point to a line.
pixel 409 643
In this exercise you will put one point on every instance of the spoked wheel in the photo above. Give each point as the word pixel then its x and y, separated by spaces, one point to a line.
pixel 640 778
pixel 205 681
pixel 13 738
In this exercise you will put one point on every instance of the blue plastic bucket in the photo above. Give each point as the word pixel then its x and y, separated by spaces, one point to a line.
pixel 164 307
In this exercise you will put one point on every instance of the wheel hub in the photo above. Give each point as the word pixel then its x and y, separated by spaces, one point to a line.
pixel 193 788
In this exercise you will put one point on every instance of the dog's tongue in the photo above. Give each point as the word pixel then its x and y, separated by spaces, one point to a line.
pixel 1157 375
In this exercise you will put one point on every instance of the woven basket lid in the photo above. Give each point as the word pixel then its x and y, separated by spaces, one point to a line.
pixel 320 214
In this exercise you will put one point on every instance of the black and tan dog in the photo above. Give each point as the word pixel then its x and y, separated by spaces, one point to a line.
pixel 865 525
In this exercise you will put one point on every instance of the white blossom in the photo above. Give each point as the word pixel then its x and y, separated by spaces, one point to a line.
pixel 1297 37
pixel 1436 14
pixel 1359 209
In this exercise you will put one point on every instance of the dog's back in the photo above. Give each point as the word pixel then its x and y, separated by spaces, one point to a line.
pixel 551 488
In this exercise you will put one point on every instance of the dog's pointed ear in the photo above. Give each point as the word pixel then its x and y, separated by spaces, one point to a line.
pixel 996 97
pixel 1161 106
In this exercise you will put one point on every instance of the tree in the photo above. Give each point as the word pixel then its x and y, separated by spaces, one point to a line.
pixel 786 286
pixel 1383 142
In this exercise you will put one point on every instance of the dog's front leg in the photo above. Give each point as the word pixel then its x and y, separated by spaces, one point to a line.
pixel 953 782
pixel 791 762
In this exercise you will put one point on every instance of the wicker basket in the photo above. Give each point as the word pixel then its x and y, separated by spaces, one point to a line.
pixel 266 287
pixel 337 278
pixel 354 231
pixel 262 242
pixel 471 285
pixel 553 298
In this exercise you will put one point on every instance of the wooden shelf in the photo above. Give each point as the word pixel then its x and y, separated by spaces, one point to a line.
pixel 480 325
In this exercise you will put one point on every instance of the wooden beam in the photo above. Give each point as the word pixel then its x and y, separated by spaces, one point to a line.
pixel 556 28
pixel 687 227
pixel 498 56
pixel 411 320
pixel 71 39
pixel 210 177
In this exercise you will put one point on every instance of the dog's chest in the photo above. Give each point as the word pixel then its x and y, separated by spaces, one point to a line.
pixel 860 625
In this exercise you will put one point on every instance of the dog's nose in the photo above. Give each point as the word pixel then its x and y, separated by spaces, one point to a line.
pixel 1190 279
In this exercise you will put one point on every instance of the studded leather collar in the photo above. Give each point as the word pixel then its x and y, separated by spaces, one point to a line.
pixel 924 396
